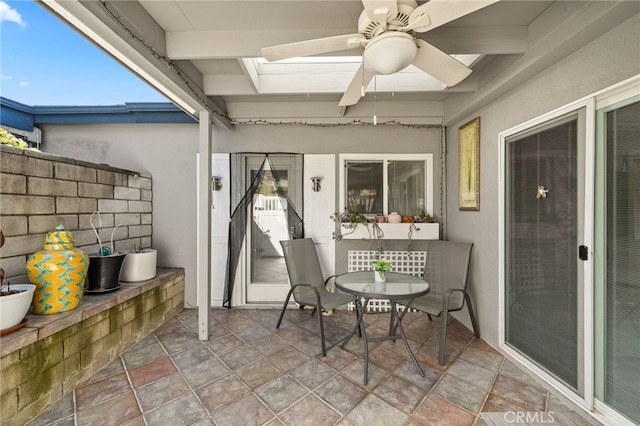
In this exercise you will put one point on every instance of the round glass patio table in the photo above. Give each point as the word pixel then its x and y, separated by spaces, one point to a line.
pixel 396 287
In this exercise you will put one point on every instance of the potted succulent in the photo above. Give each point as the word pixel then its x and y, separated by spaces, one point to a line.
pixel 380 266
pixel 139 265
pixel 15 301
pixel 104 266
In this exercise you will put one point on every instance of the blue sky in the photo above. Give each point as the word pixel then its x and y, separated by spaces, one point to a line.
pixel 43 61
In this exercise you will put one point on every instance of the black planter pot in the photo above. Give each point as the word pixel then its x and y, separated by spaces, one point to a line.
pixel 104 273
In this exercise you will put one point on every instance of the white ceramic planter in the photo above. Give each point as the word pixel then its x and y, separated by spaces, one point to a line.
pixel 14 307
pixel 139 266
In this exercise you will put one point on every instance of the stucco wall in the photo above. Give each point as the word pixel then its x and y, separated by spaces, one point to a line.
pixel 167 153
pixel 608 60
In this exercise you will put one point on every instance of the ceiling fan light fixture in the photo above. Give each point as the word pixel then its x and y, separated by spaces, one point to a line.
pixel 389 52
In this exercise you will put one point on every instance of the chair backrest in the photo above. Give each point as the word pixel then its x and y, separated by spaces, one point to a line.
pixel 302 263
pixel 447 267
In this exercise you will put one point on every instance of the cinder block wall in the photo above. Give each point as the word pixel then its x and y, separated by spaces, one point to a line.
pixel 38 374
pixel 39 191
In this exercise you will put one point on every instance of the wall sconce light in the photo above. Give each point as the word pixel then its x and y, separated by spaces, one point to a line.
pixel 216 183
pixel 315 183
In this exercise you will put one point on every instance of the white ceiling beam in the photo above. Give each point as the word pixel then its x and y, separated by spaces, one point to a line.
pixel 251 70
pixel 237 44
pixel 233 43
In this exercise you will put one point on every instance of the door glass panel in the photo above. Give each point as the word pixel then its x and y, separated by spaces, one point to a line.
pixel 622 330
pixel 268 228
pixel 541 241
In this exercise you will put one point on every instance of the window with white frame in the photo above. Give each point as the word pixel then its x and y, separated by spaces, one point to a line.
pixel 378 184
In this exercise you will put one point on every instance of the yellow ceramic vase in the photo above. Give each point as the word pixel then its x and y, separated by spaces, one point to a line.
pixel 59 273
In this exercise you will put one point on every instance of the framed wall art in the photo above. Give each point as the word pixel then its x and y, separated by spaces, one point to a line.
pixel 469 165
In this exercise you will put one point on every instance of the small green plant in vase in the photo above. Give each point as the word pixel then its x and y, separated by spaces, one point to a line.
pixel 381 266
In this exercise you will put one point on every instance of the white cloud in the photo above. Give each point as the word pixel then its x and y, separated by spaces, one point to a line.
pixel 5 77
pixel 24 83
pixel 7 13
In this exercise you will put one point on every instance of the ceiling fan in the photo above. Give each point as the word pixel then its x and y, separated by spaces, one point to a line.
pixel 386 32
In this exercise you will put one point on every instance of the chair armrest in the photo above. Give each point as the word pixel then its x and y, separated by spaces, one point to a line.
pixel 315 290
pixel 447 297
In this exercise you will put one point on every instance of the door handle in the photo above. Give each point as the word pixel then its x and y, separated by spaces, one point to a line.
pixel 583 253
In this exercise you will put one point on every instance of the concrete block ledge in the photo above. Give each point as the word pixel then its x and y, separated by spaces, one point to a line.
pixel 55 353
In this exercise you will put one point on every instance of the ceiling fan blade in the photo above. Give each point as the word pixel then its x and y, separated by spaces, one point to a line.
pixel 313 47
pixel 380 10
pixel 357 86
pixel 435 13
pixel 438 64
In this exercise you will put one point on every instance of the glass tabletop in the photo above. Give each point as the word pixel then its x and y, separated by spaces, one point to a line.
pixel 397 286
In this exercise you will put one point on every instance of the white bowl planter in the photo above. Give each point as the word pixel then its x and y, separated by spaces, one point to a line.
pixel 14 307
pixel 139 266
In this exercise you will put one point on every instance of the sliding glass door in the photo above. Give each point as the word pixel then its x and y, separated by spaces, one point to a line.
pixel 618 296
pixel 544 226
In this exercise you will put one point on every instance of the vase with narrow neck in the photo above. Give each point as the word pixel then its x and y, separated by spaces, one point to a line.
pixel 58 272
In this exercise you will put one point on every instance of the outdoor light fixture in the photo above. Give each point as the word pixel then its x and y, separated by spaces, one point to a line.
pixel 315 183
pixel 216 182
pixel 389 52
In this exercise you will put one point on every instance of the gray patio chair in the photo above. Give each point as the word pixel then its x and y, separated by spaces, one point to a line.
pixel 308 285
pixel 446 270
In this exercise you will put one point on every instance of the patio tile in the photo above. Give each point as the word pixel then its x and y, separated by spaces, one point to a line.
pixel 304 389
pixel 435 411
pixel 102 390
pixel 269 344
pixel 408 371
pixel 386 358
pixel 355 373
pixel 111 369
pixel 155 394
pixel 288 358
pixel 480 377
pixel 247 411
pixel 192 356
pixel 251 334
pixel 205 372
pixel 310 411
pixel 137 356
pixel 260 372
pixel 515 391
pixel 312 373
pixel 337 358
pixel 461 393
pixel 225 344
pixel 309 344
pixel 179 343
pixel 104 413
pixel 400 393
pixel 239 357
pixel 489 359
pixel 511 370
pixel 280 393
pixel 291 334
pixel 374 411
pixel 496 404
pixel 185 410
pixel 222 392
pixel 59 411
pixel 151 371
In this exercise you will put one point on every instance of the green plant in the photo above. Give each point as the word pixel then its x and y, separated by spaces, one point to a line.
pixel 7 138
pixel 381 266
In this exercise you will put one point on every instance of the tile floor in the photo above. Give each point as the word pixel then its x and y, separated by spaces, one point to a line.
pixel 249 373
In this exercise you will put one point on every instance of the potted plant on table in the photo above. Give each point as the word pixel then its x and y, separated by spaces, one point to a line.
pixel 380 266
pixel 104 266
pixel 139 265
pixel 15 301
